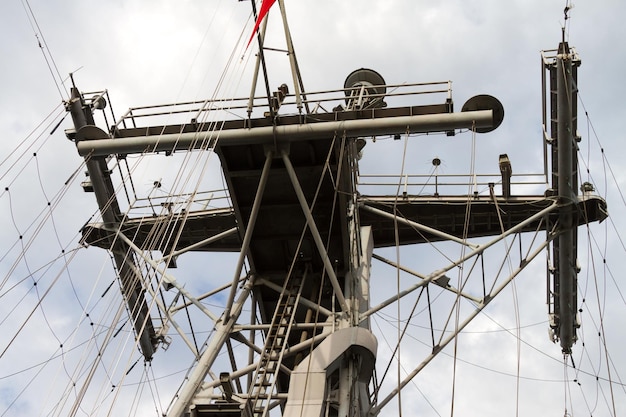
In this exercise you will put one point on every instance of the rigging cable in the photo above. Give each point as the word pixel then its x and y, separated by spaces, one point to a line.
pixel 476 365
pixel 55 114
pixel 601 310
pixel 52 66
pixel 398 271
pixel 382 335
pixel 518 329
pixel 606 270
pixel 47 213
pixel 460 274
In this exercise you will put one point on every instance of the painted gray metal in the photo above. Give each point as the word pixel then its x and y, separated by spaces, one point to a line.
pixel 102 146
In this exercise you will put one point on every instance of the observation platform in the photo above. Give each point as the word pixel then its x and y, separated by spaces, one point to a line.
pixel 444 213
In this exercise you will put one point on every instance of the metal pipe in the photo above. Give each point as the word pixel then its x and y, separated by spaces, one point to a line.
pixel 441 272
pixel 316 234
pixel 374 411
pixel 295 70
pixel 419 226
pixel 544 115
pixel 169 279
pixel 307 325
pixel 425 280
pixel 567 257
pixel 251 341
pixel 249 229
pixel 260 61
pixel 304 301
pixel 268 134
pixel 206 241
pixel 111 215
pixel 222 332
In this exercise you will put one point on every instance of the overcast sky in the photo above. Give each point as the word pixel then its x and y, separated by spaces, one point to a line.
pixel 150 52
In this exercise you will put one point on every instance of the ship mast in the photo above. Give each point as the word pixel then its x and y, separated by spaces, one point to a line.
pixel 100 183
pixel 307 235
pixel 562 296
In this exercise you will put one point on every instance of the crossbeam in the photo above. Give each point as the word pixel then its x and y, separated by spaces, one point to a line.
pixel 101 144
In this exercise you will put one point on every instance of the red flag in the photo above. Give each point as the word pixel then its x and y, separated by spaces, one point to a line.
pixel 265 7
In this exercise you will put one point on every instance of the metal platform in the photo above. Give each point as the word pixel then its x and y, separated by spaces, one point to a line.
pixel 444 213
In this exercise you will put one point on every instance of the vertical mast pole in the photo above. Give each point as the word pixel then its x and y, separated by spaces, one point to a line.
pixel 295 70
pixel 260 62
pixel 130 279
pixel 567 194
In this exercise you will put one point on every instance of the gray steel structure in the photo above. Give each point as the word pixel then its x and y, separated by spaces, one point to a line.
pixel 308 235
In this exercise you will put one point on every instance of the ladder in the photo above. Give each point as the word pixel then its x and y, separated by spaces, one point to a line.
pixel 275 344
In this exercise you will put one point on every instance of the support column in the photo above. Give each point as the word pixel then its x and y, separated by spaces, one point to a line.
pixel 316 235
pixel 249 230
pixel 130 281
pixel 567 193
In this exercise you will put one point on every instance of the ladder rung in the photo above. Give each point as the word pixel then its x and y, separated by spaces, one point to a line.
pixel 280 331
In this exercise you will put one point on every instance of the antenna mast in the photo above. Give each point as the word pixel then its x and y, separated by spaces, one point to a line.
pixel 276 98
pixel 562 297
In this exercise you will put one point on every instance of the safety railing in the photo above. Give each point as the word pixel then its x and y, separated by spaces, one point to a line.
pixel 179 203
pixel 436 185
pixel 311 103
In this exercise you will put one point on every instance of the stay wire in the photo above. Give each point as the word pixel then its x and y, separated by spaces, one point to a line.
pixel 159 237
pixel 593 374
pixel 52 66
pixel 153 387
pixel 591 126
pixel 109 202
pixel 382 333
pixel 200 176
pixel 606 166
pixel 515 303
pixel 56 355
pixel 33 310
pixel 51 118
pixel 398 272
pixel 601 311
pixel 37 224
pixel 180 183
pixel 460 275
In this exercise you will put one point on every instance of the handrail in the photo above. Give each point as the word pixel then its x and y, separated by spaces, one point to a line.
pixel 434 184
pixel 238 106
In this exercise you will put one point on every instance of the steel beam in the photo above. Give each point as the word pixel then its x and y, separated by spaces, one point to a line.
pixel 478 250
pixel 223 330
pixel 299 132
pixel 169 279
pixel 109 209
pixel 245 246
pixel 374 411
pixel 566 273
pixel 419 226
pixel 328 266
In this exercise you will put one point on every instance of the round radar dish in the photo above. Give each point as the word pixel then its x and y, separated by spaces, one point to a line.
pixel 365 77
pixel 486 102
pixel 99 103
pixel 369 84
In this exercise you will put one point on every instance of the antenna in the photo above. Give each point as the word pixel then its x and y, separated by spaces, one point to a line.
pixel 485 102
pixel 298 84
pixel 568 7
pixel 365 89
